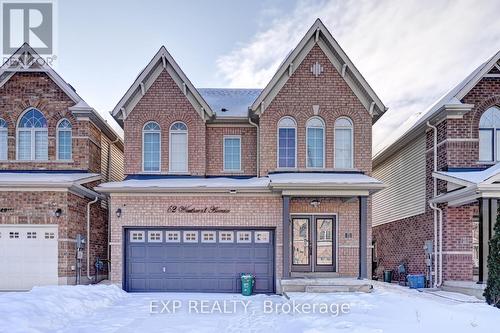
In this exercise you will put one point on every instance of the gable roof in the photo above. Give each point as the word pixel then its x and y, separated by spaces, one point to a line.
pixel 229 103
pixel 450 101
pixel 319 34
pixel 161 61
pixel 26 59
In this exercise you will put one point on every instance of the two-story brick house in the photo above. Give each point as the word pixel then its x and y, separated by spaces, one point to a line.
pixel 442 179
pixel 54 149
pixel 219 182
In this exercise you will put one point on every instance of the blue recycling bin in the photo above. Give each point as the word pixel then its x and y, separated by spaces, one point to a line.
pixel 416 281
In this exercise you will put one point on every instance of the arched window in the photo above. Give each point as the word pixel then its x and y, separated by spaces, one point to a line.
pixel 287 143
pixel 151 147
pixel 178 148
pixel 4 144
pixel 343 143
pixel 32 137
pixel 315 136
pixel 64 140
pixel 489 135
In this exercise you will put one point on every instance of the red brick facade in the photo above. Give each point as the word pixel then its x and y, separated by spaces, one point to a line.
pixel 335 99
pixel 458 147
pixel 37 205
pixel 165 103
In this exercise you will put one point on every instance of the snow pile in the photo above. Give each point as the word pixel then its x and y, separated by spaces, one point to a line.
pixel 45 309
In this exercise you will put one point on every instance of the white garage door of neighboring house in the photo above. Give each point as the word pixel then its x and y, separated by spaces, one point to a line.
pixel 28 256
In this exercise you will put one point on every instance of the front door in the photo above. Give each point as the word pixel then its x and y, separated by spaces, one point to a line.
pixel 313 243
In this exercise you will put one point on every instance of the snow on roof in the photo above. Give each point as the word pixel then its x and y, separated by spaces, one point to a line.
pixel 474 177
pixel 235 101
pixel 49 178
pixel 450 98
pixel 322 178
pixel 189 183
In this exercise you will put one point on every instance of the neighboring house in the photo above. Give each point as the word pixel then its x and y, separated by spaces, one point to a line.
pixel 219 182
pixel 54 149
pixel 460 134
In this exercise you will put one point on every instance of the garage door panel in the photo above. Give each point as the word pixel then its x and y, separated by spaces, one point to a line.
pixel 137 251
pixel 205 264
pixel 155 252
pixel 27 257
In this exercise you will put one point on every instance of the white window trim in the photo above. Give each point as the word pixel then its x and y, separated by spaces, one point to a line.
pixel 224 153
pixel 184 234
pixel 238 240
pixel 226 241
pixel 214 233
pixel 495 147
pixel 178 233
pixel 307 142
pixel 256 240
pixel 6 131
pixel 335 143
pixel 70 130
pixel 131 238
pixel 278 143
pixel 150 232
pixel 32 130
pixel 150 131
pixel 170 148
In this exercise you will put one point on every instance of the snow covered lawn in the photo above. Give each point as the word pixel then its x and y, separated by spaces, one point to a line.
pixel 108 309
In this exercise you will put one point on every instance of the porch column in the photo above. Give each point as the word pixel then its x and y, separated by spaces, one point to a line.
pixel 286 236
pixel 485 216
pixel 363 237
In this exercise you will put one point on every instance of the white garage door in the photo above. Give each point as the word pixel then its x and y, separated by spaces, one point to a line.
pixel 28 256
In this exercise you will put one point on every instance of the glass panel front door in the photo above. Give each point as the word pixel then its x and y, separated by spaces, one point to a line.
pixel 301 239
pixel 313 244
pixel 324 244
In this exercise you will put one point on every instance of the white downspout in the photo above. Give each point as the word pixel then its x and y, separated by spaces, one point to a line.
pixel 88 236
pixel 258 144
pixel 434 207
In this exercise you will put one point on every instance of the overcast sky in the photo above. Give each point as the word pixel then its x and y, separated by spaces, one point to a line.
pixel 410 51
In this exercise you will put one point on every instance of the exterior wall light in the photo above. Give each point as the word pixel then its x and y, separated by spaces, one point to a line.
pixel 315 203
pixel 119 212
pixel 58 212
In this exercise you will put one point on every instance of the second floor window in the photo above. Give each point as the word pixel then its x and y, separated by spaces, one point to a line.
pixel 151 151
pixel 315 143
pixel 489 135
pixel 343 143
pixel 64 145
pixel 4 144
pixel 287 143
pixel 232 153
pixel 32 137
pixel 178 148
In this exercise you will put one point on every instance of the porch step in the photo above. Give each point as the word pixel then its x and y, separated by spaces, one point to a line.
pixel 314 275
pixel 365 288
pixel 326 285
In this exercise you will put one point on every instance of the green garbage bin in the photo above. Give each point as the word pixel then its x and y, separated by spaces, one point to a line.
pixel 388 276
pixel 247 283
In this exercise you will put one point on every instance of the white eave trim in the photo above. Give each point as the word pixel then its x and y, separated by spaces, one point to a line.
pixel 451 179
pixel 318 34
pixel 160 62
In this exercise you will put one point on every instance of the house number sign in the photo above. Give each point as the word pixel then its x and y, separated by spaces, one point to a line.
pixel 197 210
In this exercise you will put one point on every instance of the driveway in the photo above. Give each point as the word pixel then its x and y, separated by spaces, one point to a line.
pixel 108 309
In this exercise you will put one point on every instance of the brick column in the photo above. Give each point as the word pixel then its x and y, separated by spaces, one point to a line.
pixel 286 236
pixel 363 237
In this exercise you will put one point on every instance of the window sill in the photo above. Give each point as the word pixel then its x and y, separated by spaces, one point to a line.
pixel 38 161
pixel 232 171
pixel 486 162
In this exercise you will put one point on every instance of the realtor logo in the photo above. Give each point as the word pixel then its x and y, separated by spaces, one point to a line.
pixel 28 22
